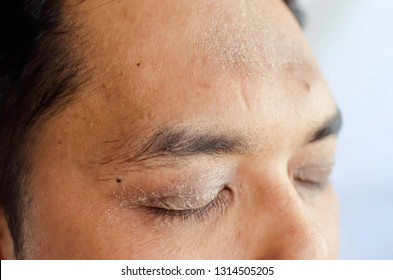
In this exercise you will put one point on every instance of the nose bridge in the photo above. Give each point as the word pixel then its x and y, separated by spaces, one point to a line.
pixel 289 230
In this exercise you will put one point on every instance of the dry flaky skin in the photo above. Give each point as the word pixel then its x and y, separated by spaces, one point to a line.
pixel 223 67
pixel 235 45
pixel 177 201
pixel 193 193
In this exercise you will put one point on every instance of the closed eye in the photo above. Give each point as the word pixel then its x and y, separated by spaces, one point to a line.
pixel 313 176
pixel 211 210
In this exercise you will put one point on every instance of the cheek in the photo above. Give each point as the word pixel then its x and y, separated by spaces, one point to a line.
pixel 175 239
pixel 71 222
pixel 64 223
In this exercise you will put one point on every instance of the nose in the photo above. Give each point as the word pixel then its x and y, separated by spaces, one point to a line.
pixel 288 231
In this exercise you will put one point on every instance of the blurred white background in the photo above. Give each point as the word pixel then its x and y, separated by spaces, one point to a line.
pixel 353 42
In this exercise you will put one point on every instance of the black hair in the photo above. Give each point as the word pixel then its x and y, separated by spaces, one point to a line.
pixel 37 78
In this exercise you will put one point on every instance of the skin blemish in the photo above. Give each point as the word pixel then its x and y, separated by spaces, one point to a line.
pixel 205 85
pixel 306 86
pixel 118 180
pixel 138 64
pixel 125 13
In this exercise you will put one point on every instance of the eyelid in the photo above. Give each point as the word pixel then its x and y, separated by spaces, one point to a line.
pixel 313 175
pixel 182 202
pixel 211 209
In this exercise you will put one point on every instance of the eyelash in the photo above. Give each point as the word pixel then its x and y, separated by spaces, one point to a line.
pixel 216 206
pixel 311 184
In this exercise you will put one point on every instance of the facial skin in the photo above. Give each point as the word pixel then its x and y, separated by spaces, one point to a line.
pixel 195 138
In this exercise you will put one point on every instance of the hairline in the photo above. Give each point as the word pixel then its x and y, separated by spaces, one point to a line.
pixel 54 56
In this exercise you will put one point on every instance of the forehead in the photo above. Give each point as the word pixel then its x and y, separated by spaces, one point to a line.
pixel 236 64
pixel 241 37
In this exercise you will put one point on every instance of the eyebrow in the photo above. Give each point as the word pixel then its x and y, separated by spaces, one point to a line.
pixel 330 127
pixel 297 11
pixel 187 142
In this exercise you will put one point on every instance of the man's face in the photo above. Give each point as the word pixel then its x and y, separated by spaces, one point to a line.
pixel 203 133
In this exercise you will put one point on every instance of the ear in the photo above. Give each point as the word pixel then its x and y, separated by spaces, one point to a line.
pixel 6 243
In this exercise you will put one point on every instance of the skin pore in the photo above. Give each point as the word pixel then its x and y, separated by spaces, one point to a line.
pixel 206 131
